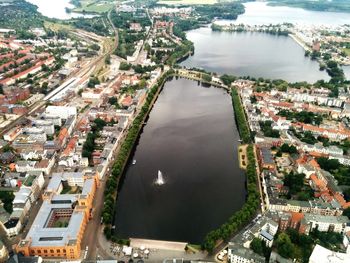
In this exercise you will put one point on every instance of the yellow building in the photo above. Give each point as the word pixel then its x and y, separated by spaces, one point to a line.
pixel 59 226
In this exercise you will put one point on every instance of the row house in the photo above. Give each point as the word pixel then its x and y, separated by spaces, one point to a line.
pixel 312 207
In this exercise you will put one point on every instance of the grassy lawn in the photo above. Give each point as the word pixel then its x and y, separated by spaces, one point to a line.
pixel 242 156
pixel 56 26
pixel 188 2
pixel 71 190
pixel 61 222
pixel 347 51
pixel 94 6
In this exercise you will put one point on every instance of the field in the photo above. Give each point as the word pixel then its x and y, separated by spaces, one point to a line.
pixel 188 2
pixel 347 51
pixel 94 6
pixel 56 26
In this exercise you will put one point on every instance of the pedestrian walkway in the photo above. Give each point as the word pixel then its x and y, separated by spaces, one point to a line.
pixel 158 244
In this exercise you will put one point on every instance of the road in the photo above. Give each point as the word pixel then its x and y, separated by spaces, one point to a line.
pixel 94 227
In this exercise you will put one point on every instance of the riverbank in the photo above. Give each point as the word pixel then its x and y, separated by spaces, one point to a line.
pixel 118 170
pixel 91 6
pixel 300 42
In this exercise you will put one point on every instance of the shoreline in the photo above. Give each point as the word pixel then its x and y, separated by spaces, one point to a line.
pixel 123 169
pixel 299 42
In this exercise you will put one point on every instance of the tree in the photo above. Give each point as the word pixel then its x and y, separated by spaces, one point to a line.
pixel 99 124
pixel 346 212
pixel 108 60
pixel 112 100
pixel 95 47
pixel 267 129
pixel 289 149
pixel 328 164
pixel 206 77
pixel 93 82
pixel 295 182
pixel 8 148
pixel 124 66
pixel 347 194
pixel 285 246
pixel 257 246
pixel 227 79
pixel 44 86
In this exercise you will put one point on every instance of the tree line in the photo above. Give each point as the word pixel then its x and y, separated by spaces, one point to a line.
pixel 240 117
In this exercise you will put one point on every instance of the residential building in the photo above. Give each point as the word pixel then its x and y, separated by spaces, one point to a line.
pixel 338 224
pixel 239 254
pixel 61 111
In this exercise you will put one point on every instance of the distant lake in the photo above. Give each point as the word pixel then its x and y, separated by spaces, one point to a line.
pixel 253 54
pixel 260 13
pixel 56 9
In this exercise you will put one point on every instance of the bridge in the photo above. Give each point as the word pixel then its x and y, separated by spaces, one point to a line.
pixel 198 76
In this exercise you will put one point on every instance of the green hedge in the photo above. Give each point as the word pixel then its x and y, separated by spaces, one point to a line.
pixel 240 117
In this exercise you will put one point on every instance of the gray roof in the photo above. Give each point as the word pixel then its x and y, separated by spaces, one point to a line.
pixel 266 155
pixel 41 235
pixel 266 235
pixel 327 219
pixel 88 184
pixel 245 253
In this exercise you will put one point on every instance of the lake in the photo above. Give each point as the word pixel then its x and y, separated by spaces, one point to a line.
pixel 191 137
pixel 56 9
pixel 257 13
pixel 252 53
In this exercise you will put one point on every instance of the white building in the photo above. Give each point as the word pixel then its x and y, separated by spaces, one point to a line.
pixel 12 134
pixel 324 255
pixel 46 125
pixel 239 254
pixel 268 232
pixel 36 134
pixel 61 111
pixel 22 200
pixel 336 224
pixel 334 150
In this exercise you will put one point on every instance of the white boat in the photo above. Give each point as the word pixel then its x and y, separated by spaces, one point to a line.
pixel 160 179
pixel 134 162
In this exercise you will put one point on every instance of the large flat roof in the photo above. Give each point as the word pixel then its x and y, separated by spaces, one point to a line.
pixel 41 235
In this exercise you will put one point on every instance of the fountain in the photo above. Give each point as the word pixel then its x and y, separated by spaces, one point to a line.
pixel 160 179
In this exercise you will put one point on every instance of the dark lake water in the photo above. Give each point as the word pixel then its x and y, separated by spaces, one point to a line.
pixel 253 54
pixel 192 138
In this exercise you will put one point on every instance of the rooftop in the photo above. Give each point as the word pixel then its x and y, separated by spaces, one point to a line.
pixel 42 235
pixel 327 219
pixel 245 253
